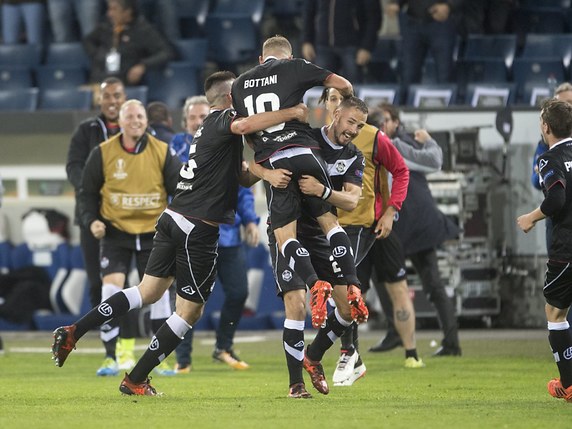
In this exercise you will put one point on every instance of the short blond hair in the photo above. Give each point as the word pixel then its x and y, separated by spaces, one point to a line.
pixel 276 45
pixel 563 87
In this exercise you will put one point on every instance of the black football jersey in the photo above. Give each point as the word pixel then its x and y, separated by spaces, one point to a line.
pixel 344 164
pixel 555 165
pixel 208 182
pixel 273 85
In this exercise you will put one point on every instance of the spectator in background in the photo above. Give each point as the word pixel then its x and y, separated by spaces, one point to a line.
pixel 195 110
pixel 163 14
pixel 420 236
pixel 65 14
pixel 427 26
pixel 31 12
pixel 562 92
pixel 339 35
pixel 160 121
pixel 486 16
pixel 126 45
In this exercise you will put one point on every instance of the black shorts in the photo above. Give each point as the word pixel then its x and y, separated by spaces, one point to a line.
pixel 558 284
pixel 188 249
pixel 362 240
pixel 285 205
pixel 322 261
pixel 116 258
pixel 387 256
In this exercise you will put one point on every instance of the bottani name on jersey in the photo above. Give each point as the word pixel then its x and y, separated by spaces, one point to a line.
pixel 263 81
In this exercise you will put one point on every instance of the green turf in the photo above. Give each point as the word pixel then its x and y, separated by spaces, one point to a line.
pixel 498 383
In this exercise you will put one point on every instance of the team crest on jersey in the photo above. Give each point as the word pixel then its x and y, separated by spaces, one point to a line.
pixel 286 275
pixel 104 263
pixel 120 172
pixel 340 166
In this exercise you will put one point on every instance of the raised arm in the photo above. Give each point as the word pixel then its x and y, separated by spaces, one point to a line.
pixel 261 121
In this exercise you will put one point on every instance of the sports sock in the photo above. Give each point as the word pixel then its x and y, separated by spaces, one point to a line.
pixel 156 324
pixel 293 342
pixel 115 306
pixel 341 249
pixel 162 344
pixel 561 343
pixel 326 336
pixel 298 259
pixel 411 353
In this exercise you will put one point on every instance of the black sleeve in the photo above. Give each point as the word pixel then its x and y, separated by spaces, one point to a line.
pixel 554 200
pixel 77 155
pixel 89 198
pixel 550 172
pixel 224 121
pixel 354 174
pixel 171 172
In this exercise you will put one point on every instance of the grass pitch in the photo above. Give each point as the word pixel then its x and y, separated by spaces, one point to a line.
pixel 500 382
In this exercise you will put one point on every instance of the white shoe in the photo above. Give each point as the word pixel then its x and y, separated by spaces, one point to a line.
pixel 345 367
pixel 358 373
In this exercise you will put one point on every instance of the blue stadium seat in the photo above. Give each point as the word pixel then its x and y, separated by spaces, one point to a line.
pixel 58 259
pixel 286 8
pixel 549 46
pixel 239 8
pixel 383 67
pixel 432 96
pixel 15 77
pixel 137 92
pixel 374 95
pixel 65 99
pixel 501 46
pixel 232 40
pixel 534 93
pixel 193 51
pixel 5 252
pixel 60 77
pixel 529 70
pixel 192 17
pixel 28 56
pixel 490 95
pixel 174 83
pixel 66 54
pixel 23 99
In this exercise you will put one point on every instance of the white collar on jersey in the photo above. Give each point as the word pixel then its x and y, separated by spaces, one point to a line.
pixel 330 143
pixel 560 142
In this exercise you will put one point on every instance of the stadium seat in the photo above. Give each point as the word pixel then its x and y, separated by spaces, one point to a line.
pixel 174 83
pixel 546 3
pixel 528 70
pixel 485 47
pixel 60 77
pixel 533 94
pixel 232 41
pixel 65 99
pixel 5 260
pixel 23 99
pixel 192 17
pixel 374 95
pixel 15 77
pixel 432 96
pixel 193 51
pixel 66 54
pixel 286 8
pixel 137 92
pixel 383 67
pixel 548 46
pixel 240 8
pixel 55 261
pixel 490 95
pixel 28 56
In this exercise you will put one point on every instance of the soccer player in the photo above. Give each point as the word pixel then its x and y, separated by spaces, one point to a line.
pixel 186 240
pixel 554 168
pixel 345 165
pixel 278 82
